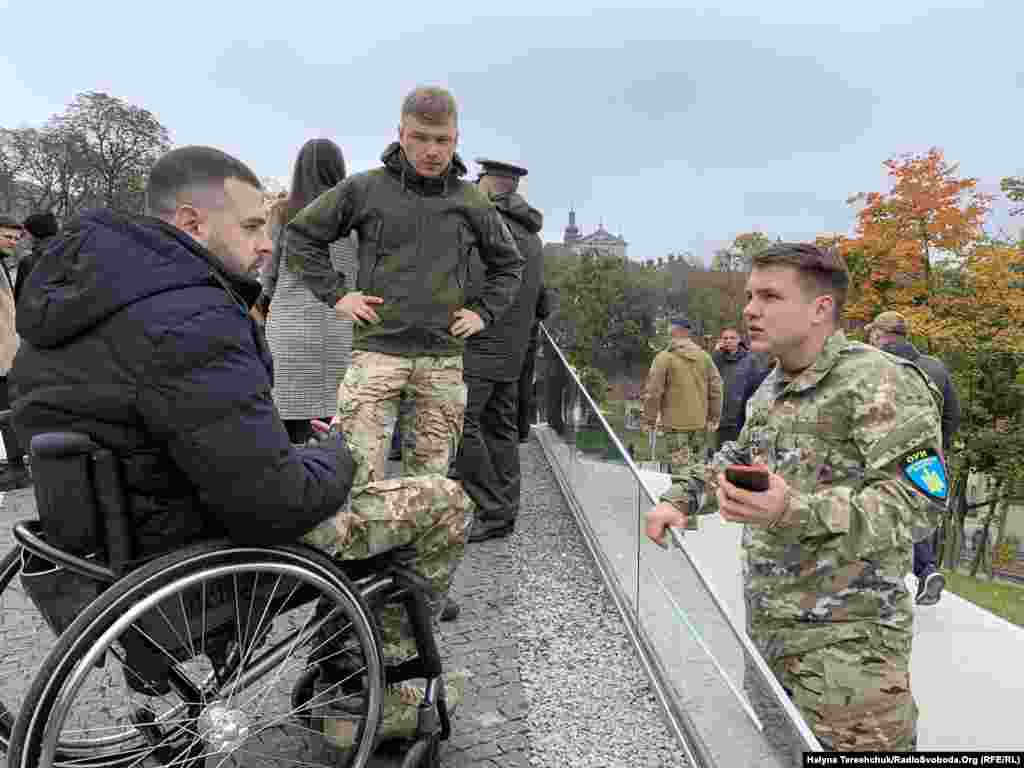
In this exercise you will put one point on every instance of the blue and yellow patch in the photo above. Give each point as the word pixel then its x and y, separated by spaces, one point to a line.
pixel 924 468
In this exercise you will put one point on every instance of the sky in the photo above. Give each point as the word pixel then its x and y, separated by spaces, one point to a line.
pixel 676 125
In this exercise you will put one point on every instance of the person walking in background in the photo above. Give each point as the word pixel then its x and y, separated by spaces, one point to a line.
pixel 741 376
pixel 311 345
pixel 889 332
pixel 685 389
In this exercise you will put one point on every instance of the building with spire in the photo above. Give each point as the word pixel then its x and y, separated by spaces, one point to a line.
pixel 599 240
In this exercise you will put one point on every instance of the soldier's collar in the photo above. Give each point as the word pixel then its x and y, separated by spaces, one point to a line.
pixel 826 360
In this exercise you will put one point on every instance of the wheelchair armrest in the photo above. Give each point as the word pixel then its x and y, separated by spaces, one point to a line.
pixel 60 445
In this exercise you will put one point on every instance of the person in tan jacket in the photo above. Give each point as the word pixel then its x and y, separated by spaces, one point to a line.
pixel 13 472
pixel 685 389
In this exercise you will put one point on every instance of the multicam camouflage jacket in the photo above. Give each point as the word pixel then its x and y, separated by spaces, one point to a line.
pixel 857 438
pixel 416 239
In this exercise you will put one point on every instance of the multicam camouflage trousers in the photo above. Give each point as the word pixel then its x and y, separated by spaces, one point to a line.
pixel 855 694
pixel 368 409
pixel 429 515
pixel 685 448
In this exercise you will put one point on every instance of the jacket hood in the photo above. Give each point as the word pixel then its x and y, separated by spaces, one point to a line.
pixel 515 207
pixel 685 348
pixel 903 349
pixel 103 262
pixel 395 160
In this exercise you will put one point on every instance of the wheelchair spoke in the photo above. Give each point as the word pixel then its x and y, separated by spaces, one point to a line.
pixel 260 695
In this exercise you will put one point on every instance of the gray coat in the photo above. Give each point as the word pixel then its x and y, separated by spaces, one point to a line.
pixel 310 345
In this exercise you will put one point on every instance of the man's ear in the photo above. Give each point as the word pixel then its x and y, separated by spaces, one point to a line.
pixel 188 219
pixel 823 306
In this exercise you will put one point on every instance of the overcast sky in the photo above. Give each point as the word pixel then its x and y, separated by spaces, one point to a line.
pixel 679 127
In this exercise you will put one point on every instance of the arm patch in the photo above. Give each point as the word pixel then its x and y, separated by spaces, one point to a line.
pixel 925 470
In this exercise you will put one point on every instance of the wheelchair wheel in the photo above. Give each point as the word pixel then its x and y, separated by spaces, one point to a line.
pixel 25 640
pixel 194 660
pixel 424 753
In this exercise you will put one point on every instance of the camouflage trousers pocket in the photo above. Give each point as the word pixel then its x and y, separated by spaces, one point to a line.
pixel 854 696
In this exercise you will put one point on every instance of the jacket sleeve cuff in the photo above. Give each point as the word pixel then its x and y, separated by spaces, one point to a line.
pixel 485 314
pixel 680 498
pixel 800 518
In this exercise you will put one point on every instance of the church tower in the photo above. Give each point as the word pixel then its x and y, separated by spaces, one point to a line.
pixel 572 232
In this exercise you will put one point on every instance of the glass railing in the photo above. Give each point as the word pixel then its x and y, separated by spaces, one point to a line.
pixel 685 604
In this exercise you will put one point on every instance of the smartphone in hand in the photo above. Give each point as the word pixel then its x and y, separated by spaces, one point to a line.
pixel 748 478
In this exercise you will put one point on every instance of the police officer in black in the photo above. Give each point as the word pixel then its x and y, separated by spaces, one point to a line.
pixel 488 459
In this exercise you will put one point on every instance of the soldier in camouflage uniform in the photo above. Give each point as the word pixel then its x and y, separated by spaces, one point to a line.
pixel 852 439
pixel 685 389
pixel 418 225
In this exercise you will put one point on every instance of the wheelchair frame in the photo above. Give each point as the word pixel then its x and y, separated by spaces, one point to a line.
pixel 356 584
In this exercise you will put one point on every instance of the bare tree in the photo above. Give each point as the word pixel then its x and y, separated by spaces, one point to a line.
pixel 122 141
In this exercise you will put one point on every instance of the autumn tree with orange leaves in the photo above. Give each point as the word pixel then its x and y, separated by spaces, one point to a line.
pixel 921 249
pixel 930 216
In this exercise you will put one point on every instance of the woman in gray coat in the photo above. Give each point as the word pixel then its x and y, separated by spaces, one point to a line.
pixel 310 344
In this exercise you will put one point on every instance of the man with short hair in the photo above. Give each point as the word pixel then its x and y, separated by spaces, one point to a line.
pixel 741 376
pixel 685 389
pixel 138 334
pixel 851 440
pixel 488 458
pixel 890 332
pixel 13 473
pixel 419 224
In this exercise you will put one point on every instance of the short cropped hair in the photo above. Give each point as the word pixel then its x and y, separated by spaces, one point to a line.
pixel 821 272
pixel 187 171
pixel 431 105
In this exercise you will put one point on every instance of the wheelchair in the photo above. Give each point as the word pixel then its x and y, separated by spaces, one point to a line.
pixel 216 654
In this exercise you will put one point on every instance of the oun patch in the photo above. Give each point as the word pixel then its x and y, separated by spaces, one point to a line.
pixel 926 471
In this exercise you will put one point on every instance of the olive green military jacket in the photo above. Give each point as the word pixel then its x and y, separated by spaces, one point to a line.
pixel 857 437
pixel 684 386
pixel 416 237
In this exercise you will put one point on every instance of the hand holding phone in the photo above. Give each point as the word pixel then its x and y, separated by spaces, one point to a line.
pixel 748 478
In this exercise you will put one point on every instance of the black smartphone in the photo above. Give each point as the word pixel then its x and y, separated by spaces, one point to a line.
pixel 747 478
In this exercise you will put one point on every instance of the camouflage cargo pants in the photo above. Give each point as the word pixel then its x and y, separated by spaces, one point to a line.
pixel 685 448
pixel 429 515
pixel 368 409
pixel 855 695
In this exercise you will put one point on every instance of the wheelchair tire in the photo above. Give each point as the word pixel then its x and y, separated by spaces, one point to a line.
pixel 424 753
pixel 10 566
pixel 210 702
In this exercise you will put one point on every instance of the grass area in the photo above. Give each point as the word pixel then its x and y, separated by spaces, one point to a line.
pixel 1001 598
pixel 615 413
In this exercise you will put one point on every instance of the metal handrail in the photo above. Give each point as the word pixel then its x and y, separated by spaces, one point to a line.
pixel 811 742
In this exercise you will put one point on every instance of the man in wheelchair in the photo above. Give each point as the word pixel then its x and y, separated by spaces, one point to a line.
pixel 135 331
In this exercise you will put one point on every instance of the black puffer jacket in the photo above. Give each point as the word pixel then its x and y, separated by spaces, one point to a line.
pixel 132 334
pixel 496 353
